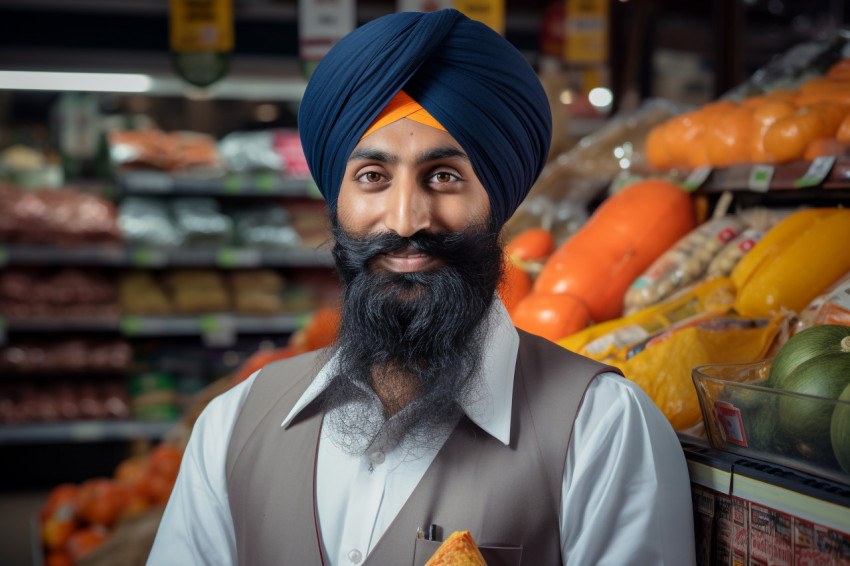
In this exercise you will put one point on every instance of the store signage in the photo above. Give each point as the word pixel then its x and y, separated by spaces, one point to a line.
pixel 490 12
pixel 321 24
pixel 586 32
pixel 201 39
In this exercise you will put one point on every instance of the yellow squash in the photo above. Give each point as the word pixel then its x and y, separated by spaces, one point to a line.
pixel 774 242
pixel 799 266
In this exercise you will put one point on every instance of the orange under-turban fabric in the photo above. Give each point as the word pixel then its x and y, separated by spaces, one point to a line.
pixel 402 106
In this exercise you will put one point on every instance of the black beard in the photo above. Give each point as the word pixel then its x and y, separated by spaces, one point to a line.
pixel 426 326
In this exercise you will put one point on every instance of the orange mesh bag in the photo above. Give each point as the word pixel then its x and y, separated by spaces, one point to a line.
pixel 457 550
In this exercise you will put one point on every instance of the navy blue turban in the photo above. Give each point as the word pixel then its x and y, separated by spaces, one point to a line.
pixel 467 76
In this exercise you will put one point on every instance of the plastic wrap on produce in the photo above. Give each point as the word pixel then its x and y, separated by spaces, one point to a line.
pixel 268 150
pixel 146 221
pixel 200 222
pixel 268 227
pixel 242 152
pixel 789 70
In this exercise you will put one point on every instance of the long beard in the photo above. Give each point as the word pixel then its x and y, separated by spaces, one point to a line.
pixel 424 330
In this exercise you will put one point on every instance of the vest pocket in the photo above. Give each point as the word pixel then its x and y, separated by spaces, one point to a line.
pixel 493 555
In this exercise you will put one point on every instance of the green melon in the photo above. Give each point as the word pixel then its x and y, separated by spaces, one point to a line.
pixel 805 422
pixel 839 432
pixel 805 345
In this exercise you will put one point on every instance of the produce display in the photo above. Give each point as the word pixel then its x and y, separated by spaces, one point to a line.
pixel 77 520
pixel 34 293
pixel 777 127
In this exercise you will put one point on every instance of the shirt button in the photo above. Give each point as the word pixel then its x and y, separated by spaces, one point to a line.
pixel 377 457
pixel 355 556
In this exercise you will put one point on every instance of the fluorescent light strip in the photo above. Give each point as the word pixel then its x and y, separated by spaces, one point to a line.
pixel 97 82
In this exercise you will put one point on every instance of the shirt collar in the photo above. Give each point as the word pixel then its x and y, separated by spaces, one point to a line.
pixel 492 409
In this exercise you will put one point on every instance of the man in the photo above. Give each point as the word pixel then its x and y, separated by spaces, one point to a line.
pixel 431 413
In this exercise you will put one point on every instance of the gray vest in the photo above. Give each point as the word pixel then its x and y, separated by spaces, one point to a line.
pixel 508 497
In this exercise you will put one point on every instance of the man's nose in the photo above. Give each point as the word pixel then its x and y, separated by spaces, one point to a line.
pixel 408 208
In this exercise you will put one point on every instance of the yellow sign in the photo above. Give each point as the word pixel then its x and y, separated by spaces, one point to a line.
pixel 586 40
pixel 490 12
pixel 201 26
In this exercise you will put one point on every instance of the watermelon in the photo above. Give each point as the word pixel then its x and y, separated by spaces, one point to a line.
pixel 839 433
pixel 805 420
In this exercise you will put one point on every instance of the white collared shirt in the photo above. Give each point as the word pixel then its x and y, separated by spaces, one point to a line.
pixel 625 496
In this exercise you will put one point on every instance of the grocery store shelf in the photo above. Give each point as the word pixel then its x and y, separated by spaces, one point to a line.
pixel 146 257
pixel 236 184
pixel 82 431
pixel 171 325
pixel 827 178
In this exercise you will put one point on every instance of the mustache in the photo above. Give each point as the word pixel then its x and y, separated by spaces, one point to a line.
pixel 355 252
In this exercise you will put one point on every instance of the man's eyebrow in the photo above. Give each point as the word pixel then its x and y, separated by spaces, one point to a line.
pixel 371 154
pixel 438 153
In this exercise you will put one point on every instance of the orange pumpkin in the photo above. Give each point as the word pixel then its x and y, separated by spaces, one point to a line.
pixel 764 115
pixel 550 315
pixel 514 286
pixel 729 138
pixel 787 138
pixel 531 244
pixel 621 239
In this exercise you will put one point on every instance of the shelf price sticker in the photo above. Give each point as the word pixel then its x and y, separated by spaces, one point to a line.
pixel 234 184
pixel 817 172
pixel 239 257
pixel 130 325
pixel 760 177
pixel 218 330
pixel 148 257
pixel 265 183
pixel 731 424
pixel 87 432
pixel 697 178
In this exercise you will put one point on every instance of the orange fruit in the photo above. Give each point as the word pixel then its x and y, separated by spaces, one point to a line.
pixel 165 460
pixel 656 149
pixel 59 557
pixel 530 244
pixel 840 70
pixel 550 315
pixel 56 529
pixel 59 496
pixel 764 115
pixel 823 147
pixel 787 138
pixel 843 132
pixel 729 138
pixel 101 501
pixel 84 541
pixel 514 285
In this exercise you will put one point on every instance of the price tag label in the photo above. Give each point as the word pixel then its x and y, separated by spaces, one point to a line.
pixel 760 177
pixel 218 330
pixel 130 325
pixel 239 257
pixel 817 172
pixel 265 183
pixel 234 184
pixel 86 432
pixel 731 425
pixel 148 257
pixel 697 178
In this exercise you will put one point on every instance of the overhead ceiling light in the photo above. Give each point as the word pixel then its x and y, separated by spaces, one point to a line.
pixel 97 82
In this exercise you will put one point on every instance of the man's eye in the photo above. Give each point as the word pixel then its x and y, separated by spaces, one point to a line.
pixel 443 177
pixel 371 177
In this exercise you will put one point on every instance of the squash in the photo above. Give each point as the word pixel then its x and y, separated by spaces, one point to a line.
pixel 621 239
pixel 805 345
pixel 531 244
pixel 805 422
pixel 802 270
pixel 774 242
pixel 839 430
